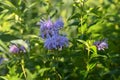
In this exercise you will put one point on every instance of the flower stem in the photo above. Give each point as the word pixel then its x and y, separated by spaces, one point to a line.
pixel 23 69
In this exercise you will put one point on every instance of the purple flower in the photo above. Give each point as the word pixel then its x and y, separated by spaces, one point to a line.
pixel 59 24
pixel 101 45
pixel 17 49
pixel 56 42
pixel 14 49
pixel 48 28
pixel 22 49
pixel 50 32
pixel 46 24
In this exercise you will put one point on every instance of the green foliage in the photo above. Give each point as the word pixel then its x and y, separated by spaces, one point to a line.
pixel 85 21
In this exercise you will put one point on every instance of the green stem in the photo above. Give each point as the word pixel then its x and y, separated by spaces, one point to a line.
pixel 81 20
pixel 23 69
pixel 87 64
pixel 57 62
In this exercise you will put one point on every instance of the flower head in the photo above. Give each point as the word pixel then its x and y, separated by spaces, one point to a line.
pixel 56 42
pixel 17 49
pixel 48 28
pixel 101 45
pixel 14 49
pixel 59 23
pixel 46 24
pixel 50 32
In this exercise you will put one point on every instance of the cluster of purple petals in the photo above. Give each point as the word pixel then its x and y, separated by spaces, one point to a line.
pixel 56 42
pixel 59 24
pixel 15 49
pixel 101 45
pixel 50 32
pixel 48 28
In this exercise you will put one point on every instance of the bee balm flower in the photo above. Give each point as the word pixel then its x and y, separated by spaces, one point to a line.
pixel 48 28
pixel 101 45
pixel 56 42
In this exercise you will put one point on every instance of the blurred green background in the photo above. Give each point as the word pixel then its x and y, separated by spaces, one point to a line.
pixel 84 19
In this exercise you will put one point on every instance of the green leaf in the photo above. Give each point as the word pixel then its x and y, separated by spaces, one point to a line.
pixel 84 42
pixel 41 71
pixel 4 78
pixel 8 4
pixel 75 23
pixel 32 5
pixel 30 76
pixel 3 47
pixel 19 2
pixel 94 49
pixel 76 15
pixel 91 66
pixel 7 37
